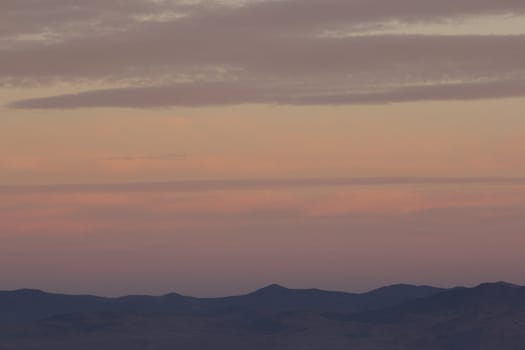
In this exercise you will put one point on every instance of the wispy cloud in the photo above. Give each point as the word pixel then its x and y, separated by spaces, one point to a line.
pixel 212 53
pixel 146 157
pixel 206 94
pixel 254 184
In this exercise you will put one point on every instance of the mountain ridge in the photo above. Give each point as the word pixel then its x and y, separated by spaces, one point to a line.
pixel 490 316
pixel 25 305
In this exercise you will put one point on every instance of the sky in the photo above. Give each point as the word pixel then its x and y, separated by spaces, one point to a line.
pixel 213 147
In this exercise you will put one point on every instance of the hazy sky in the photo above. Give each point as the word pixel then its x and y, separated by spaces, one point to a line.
pixel 213 147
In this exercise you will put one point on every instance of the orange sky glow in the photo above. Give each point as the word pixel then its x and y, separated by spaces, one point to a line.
pixel 363 145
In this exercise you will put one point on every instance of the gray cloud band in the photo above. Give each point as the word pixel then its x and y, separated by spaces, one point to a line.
pixel 254 184
pixel 195 95
pixel 262 52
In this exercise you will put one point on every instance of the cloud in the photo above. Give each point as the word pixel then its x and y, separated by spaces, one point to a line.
pixel 35 16
pixel 254 184
pixel 64 18
pixel 169 53
pixel 199 94
pixel 154 157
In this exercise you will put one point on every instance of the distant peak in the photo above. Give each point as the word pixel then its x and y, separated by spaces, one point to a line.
pixel 272 288
pixel 174 295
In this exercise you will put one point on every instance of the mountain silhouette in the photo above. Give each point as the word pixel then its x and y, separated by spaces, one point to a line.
pixel 490 316
pixel 31 305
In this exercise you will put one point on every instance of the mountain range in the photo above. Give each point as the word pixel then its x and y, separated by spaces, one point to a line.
pixel 489 316
pixel 31 305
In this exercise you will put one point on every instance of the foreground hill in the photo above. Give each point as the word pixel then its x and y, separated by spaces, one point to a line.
pixel 487 317
pixel 32 305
